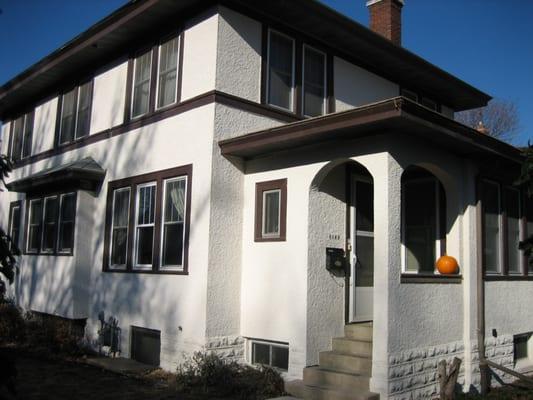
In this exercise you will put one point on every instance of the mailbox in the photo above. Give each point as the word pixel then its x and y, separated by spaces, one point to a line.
pixel 335 260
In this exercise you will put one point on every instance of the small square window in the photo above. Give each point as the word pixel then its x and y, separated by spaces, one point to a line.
pixel 521 348
pixel 271 210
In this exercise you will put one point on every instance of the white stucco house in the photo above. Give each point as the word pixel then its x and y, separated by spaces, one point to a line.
pixel 272 181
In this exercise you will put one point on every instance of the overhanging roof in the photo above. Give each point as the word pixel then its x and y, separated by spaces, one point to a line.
pixel 393 116
pixel 137 20
pixel 84 174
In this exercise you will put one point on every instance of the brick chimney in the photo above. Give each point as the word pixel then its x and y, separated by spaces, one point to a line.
pixel 386 18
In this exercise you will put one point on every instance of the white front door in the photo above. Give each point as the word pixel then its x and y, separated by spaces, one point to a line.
pixel 362 249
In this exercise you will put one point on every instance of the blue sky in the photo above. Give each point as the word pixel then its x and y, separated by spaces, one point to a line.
pixel 487 43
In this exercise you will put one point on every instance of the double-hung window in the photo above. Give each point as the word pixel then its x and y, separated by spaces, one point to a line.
pixel 281 54
pixel 155 79
pixel 15 210
pixel 314 82
pixel 75 113
pixel 50 224
pixel 22 135
pixel 502 228
pixel 152 212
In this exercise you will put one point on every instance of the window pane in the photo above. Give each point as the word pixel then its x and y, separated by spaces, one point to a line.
pixel 146 206
pixel 420 222
pixel 271 202
pixel 174 211
pixel 119 240
pixel 28 133
pixel 260 353
pixel 145 239
pixel 491 225
pixel 512 204
pixel 15 226
pixel 168 63
pixel 529 226
pixel 314 84
pixel 51 205
pixel 68 117
pixel 364 272
pixel 34 230
pixel 281 62
pixel 364 193
pixel 84 108
pixel 18 131
pixel 141 84
pixel 280 357
pixel 66 218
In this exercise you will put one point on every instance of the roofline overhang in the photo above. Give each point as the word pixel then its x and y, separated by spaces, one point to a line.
pixel 397 115
pixel 352 40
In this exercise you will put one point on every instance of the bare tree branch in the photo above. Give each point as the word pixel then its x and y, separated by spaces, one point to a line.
pixel 500 117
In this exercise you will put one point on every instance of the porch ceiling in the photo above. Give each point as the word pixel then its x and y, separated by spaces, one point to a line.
pixel 396 115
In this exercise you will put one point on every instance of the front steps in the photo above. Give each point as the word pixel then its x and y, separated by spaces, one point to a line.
pixel 344 372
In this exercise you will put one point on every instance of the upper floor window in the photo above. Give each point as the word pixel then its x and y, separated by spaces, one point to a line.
pixel 502 228
pixel 280 70
pixel 314 79
pixel 15 210
pixel 75 113
pixel 425 101
pixel 50 224
pixel 295 75
pixel 155 79
pixel 22 135
pixel 152 213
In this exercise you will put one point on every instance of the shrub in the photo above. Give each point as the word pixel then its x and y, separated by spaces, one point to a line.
pixel 210 374
pixel 12 327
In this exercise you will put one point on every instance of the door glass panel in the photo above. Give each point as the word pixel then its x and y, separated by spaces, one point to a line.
pixel 364 207
pixel 364 271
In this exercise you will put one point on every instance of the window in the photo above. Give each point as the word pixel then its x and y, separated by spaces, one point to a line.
pixel 75 116
pixel 119 234
pixel 502 229
pixel 521 345
pixel 141 84
pixel 22 135
pixel 14 223
pixel 280 70
pixel 144 225
pixel 157 225
pixel 314 88
pixel 423 221
pixel 50 226
pixel 271 210
pixel 167 73
pixel 275 355
pixel 425 101
pixel 529 228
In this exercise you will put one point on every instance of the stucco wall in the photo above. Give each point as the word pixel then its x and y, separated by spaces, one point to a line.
pixel 355 86
pixel 238 55
pixel 109 96
pixel 44 126
pixel 200 55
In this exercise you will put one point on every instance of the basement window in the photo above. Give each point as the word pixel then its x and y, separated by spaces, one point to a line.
pixel 522 344
pixel 272 354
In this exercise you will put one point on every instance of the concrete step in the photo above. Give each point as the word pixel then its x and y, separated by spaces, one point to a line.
pixel 351 346
pixel 347 363
pixel 359 331
pixel 331 393
pixel 295 388
pixel 318 376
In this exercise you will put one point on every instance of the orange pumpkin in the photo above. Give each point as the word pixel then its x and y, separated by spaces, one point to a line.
pixel 447 265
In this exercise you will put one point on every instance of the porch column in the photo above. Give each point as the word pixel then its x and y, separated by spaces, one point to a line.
pixel 387 213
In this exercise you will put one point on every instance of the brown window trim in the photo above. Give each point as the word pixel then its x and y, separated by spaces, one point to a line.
pixel 430 278
pixel 12 205
pixel 159 177
pixel 153 47
pixel 299 43
pixel 56 252
pixel 504 273
pixel 57 131
pixel 260 187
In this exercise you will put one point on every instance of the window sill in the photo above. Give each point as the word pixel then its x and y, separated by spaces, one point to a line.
pixel 431 278
pixel 145 271
pixel 49 254
pixel 490 278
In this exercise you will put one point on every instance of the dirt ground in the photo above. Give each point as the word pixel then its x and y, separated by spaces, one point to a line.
pixel 44 379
